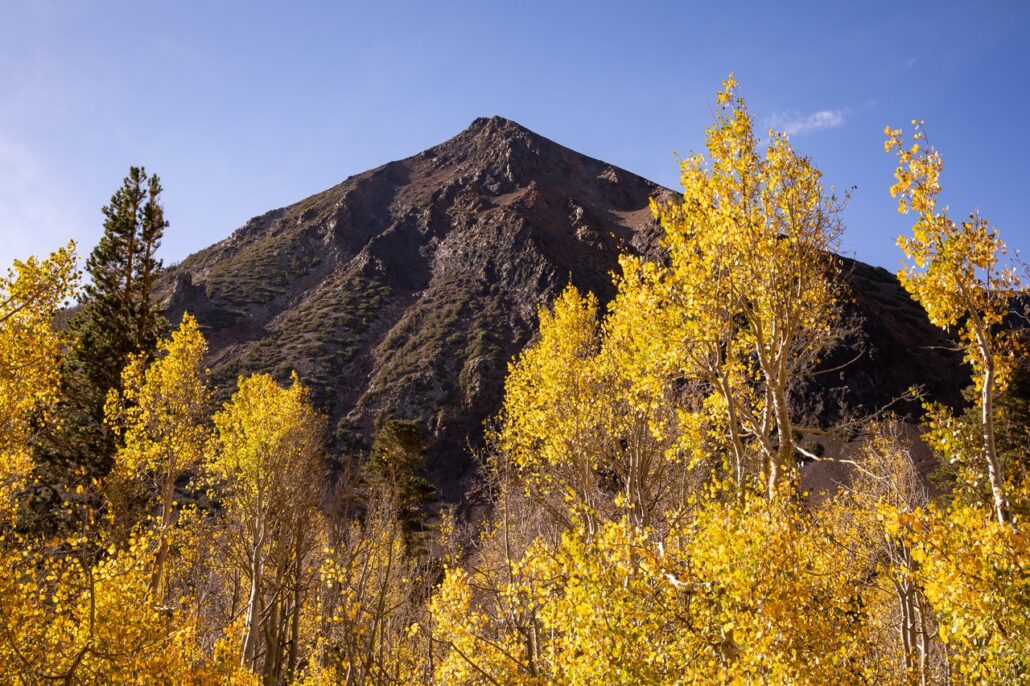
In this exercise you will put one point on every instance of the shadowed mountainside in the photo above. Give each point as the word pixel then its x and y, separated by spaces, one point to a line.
pixel 404 291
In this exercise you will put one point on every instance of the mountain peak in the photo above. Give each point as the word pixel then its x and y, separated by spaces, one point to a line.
pixel 498 125
pixel 496 131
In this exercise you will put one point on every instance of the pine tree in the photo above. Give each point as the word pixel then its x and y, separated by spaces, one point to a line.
pixel 117 321
pixel 393 475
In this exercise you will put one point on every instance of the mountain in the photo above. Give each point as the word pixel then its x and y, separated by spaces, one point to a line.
pixel 404 291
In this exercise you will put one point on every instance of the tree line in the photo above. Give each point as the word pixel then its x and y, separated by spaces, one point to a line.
pixel 647 522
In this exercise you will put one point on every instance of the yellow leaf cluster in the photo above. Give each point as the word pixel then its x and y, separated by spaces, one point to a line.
pixel 30 349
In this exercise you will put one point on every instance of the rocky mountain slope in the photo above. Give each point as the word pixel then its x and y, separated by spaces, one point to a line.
pixel 404 291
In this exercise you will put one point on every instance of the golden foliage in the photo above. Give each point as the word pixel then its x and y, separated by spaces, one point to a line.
pixel 957 276
pixel 748 302
pixel 267 450
pixel 30 349
pixel 75 614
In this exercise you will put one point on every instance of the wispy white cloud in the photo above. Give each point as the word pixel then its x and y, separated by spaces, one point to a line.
pixel 795 124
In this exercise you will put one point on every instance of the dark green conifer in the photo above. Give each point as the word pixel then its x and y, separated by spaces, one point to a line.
pixel 117 319
pixel 394 472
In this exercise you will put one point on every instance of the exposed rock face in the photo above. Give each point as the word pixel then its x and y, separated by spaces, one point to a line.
pixel 404 291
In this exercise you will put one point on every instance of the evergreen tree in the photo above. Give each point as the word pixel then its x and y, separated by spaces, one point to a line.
pixel 393 473
pixel 117 321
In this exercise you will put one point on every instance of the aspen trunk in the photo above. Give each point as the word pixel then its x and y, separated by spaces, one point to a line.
pixel 905 628
pixel 255 606
pixel 252 629
pixel 1001 507
pixel 294 639
pixel 157 579
pixel 924 640
pixel 734 429
pixel 780 461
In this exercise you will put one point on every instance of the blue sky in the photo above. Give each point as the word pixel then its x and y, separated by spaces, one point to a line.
pixel 246 106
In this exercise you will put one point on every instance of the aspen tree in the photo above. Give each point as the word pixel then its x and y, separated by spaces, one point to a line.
pixel 163 412
pixel 30 352
pixel 955 273
pixel 751 284
pixel 267 456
